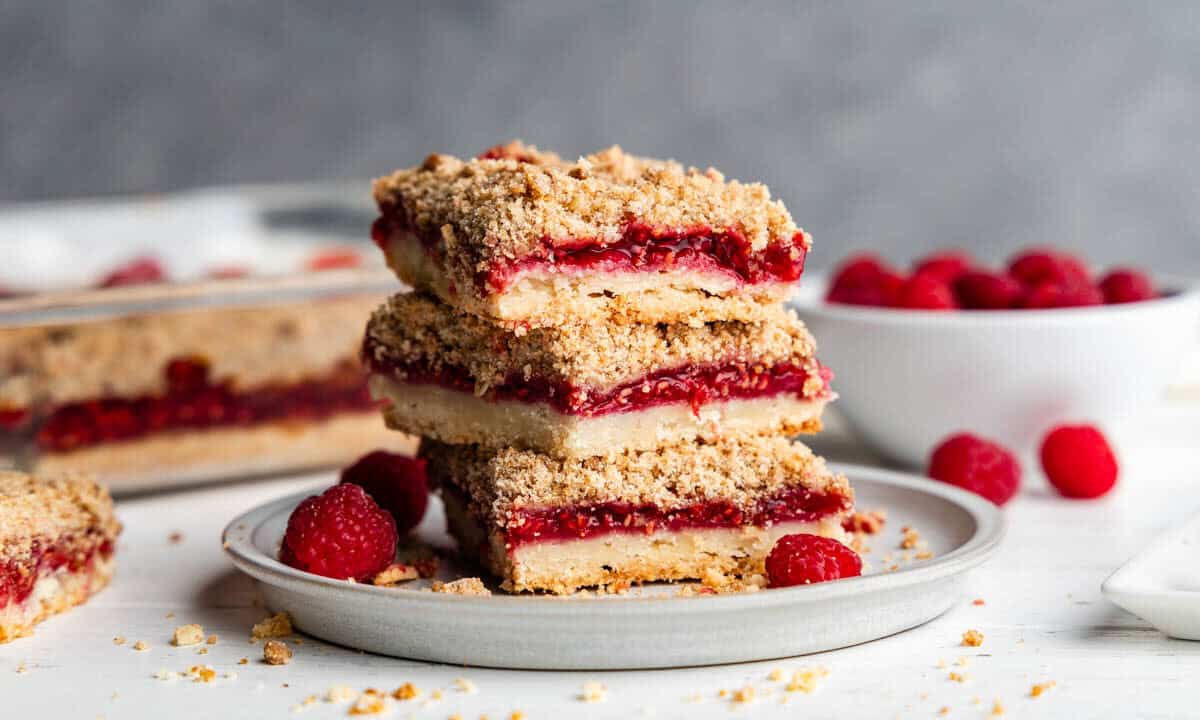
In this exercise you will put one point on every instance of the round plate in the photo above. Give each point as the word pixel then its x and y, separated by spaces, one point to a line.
pixel 652 626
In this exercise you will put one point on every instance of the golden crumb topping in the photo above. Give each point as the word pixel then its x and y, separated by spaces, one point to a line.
pixel 415 330
pixel 504 207
pixel 742 472
pixel 46 508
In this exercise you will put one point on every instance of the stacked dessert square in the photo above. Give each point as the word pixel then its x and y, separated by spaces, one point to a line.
pixel 597 356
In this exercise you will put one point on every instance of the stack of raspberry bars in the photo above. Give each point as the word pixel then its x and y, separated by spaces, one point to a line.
pixel 599 362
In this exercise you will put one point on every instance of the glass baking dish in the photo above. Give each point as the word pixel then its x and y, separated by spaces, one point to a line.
pixel 216 376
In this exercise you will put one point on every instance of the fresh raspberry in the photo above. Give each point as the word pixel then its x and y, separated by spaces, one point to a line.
pixel 340 533
pixel 136 272
pixel 1054 295
pixel 396 482
pixel 1035 267
pixel 864 280
pixel 946 266
pixel 1078 461
pixel 925 292
pixel 1125 285
pixel 978 465
pixel 801 559
pixel 983 290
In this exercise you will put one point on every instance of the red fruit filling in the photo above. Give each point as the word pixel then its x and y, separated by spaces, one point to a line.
pixel 641 248
pixel 74 553
pixel 340 533
pixel 978 465
pixel 1078 461
pixel 136 272
pixel 194 400
pixel 1124 285
pixel 796 504
pixel 396 482
pixel 695 385
pixel 803 559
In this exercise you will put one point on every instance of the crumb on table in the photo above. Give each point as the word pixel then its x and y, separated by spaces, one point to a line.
pixel 972 638
pixel 192 634
pixel 276 652
pixel 462 586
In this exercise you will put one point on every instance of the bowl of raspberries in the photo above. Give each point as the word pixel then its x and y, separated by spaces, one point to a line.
pixel 953 344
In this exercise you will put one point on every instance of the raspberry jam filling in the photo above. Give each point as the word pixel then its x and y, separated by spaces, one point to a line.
pixel 641 248
pixel 18 578
pixel 795 504
pixel 695 385
pixel 194 400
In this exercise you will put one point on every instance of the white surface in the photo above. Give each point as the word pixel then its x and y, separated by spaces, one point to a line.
pixel 907 379
pixel 651 627
pixel 1044 620
pixel 1161 584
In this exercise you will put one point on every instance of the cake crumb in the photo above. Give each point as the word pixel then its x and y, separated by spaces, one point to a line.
pixel 164 674
pixel 175 537
pixel 807 680
pixel 945 710
pixel 407 691
pixel 244 661
pixel 202 651
pixel 370 702
pixel 211 640
pixel 276 652
pixel 1039 688
pixel 865 522
pixel 21 669
pixel 962 661
pixel 957 677
pixel 169 616
pixel 119 640
pixel 140 646
pixel 192 634
pixel 925 555
pixel 465 686
pixel 394 574
pixel 972 638
pixel 277 626
pixel 462 586
pixel 942 664
pixel 744 695
pixel 593 692
pixel 910 538
pixel 997 709
pixel 202 673
pixel 776 675
pixel 978 602
pixel 340 694
pixel 517 715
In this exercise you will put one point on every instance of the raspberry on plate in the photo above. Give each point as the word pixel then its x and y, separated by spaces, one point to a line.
pixel 1055 295
pixel 984 290
pixel 340 533
pixel 925 292
pixel 981 466
pixel 1078 461
pixel 396 482
pixel 865 280
pixel 1125 285
pixel 1038 266
pixel 946 266
pixel 802 559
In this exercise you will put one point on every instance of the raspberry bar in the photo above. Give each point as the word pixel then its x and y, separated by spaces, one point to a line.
pixel 523 238
pixel 190 393
pixel 57 536
pixel 591 389
pixel 682 511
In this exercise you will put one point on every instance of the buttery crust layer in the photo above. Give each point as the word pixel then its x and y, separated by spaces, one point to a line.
pixel 738 471
pixel 414 329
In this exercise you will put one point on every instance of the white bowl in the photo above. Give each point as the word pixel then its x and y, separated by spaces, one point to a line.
pixel 906 379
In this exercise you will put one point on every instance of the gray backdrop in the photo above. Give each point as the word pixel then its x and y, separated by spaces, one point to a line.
pixel 897 125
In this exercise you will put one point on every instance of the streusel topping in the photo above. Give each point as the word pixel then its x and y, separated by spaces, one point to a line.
pixel 738 471
pixel 504 207
pixel 413 329
pixel 45 508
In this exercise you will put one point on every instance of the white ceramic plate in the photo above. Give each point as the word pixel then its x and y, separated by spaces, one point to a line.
pixel 649 627
pixel 1161 584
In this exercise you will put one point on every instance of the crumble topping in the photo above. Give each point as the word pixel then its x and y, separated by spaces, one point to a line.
pixel 42 509
pixel 407 691
pixel 487 210
pixel 738 471
pixel 276 626
pixel 866 522
pixel 394 574
pixel 462 586
pixel 276 652
pixel 972 638
pixel 191 634
pixel 593 692
pixel 414 329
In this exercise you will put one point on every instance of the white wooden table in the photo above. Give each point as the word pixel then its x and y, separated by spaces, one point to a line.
pixel 1043 620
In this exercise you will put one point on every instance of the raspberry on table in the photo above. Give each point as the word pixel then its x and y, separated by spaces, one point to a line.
pixel 1038 266
pixel 801 559
pixel 925 292
pixel 340 533
pixel 865 280
pixel 978 465
pixel 983 290
pixel 1125 285
pixel 947 266
pixel 1078 461
pixel 396 482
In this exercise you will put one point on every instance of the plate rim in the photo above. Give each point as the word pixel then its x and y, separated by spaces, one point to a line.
pixel 990 529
